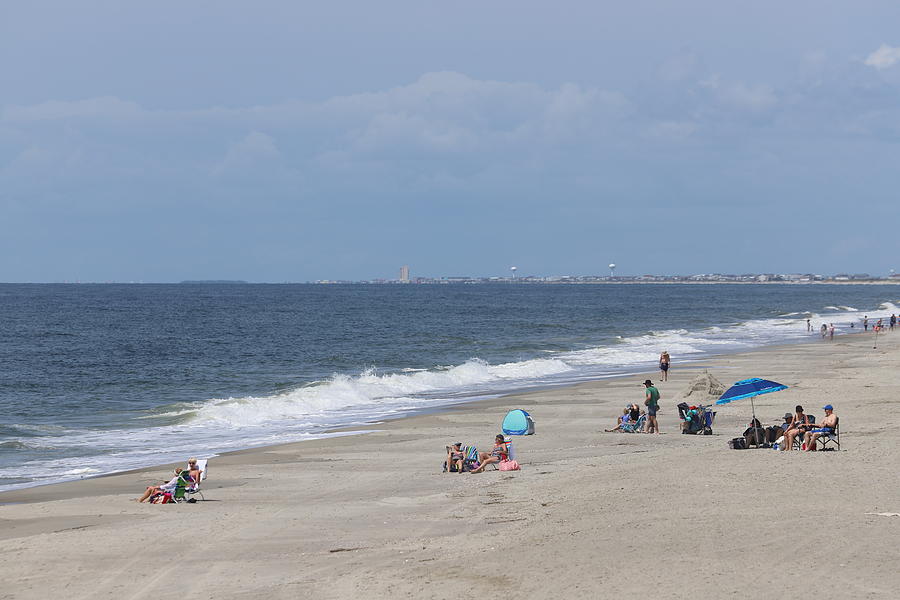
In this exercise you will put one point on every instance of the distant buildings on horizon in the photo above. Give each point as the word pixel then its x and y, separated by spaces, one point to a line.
pixel 698 278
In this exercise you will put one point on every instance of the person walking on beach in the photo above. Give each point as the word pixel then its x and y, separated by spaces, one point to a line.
pixel 866 323
pixel 831 332
pixel 893 321
pixel 651 401
pixel 808 326
pixel 664 361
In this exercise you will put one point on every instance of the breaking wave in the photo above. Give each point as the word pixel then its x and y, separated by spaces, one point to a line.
pixel 358 400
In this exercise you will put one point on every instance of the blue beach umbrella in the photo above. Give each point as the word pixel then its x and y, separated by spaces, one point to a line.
pixel 750 388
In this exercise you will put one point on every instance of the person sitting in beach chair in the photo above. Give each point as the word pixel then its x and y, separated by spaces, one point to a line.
pixel 163 488
pixel 455 462
pixel 693 418
pixel 197 471
pixel 788 421
pixel 499 453
pixel 623 421
pixel 635 426
pixel 628 423
pixel 755 435
pixel 798 426
pixel 194 471
pixel 179 494
pixel 635 412
pixel 826 428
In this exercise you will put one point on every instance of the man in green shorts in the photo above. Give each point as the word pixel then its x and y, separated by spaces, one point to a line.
pixel 651 401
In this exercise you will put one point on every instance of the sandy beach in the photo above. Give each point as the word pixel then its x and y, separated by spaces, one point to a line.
pixel 590 514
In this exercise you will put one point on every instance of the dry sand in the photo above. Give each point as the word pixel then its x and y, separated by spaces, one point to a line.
pixel 591 514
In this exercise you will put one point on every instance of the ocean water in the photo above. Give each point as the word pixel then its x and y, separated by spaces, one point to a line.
pixel 101 378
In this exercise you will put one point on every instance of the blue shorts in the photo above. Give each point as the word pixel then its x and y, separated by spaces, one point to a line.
pixel 651 411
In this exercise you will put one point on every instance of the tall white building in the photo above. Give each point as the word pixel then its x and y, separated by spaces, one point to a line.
pixel 404 273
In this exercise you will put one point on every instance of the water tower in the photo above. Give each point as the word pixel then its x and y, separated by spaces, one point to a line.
pixel 612 270
pixel 514 269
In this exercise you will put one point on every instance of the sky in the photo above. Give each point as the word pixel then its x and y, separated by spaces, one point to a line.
pixel 296 141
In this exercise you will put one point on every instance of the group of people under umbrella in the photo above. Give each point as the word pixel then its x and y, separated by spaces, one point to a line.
pixel 794 426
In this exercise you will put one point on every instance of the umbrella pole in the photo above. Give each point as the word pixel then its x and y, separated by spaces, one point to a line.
pixel 753 422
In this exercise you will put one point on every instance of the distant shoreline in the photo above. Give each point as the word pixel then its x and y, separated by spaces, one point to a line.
pixel 631 282
pixel 468 282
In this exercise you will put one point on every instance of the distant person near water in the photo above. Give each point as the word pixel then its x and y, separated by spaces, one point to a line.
pixel 651 401
pixel 893 321
pixel 808 326
pixel 664 360
pixel 824 330
pixel 866 323
pixel 831 332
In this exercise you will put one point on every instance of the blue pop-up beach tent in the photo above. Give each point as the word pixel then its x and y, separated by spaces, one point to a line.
pixel 518 422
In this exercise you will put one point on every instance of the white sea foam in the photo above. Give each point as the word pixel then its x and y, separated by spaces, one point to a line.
pixel 374 392
pixel 346 400
pixel 82 471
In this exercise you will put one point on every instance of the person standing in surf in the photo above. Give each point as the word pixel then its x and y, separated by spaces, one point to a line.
pixel 651 401
pixel 808 326
pixel 866 323
pixel 664 361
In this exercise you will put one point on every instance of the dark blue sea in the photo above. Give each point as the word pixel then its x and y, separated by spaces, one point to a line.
pixel 95 378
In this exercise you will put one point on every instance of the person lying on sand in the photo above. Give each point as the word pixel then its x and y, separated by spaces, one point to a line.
pixel 162 488
pixel 500 452
pixel 456 457
pixel 826 427
pixel 623 420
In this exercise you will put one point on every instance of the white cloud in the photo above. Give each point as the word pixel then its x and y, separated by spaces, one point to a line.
pixel 105 107
pixel 256 151
pixel 754 98
pixel 886 56
pixel 444 126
